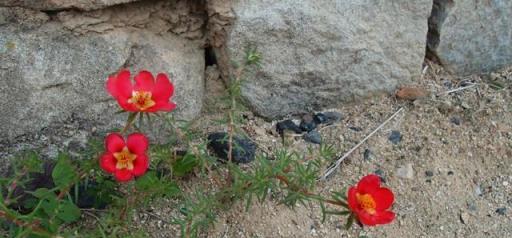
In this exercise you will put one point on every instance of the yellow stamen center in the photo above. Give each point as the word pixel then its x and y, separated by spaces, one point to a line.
pixel 142 100
pixel 366 202
pixel 124 159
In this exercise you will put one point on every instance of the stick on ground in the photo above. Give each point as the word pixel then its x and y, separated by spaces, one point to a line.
pixel 334 166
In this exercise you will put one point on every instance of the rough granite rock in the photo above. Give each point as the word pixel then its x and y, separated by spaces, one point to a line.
pixel 62 4
pixel 182 17
pixel 320 53
pixel 471 36
pixel 48 74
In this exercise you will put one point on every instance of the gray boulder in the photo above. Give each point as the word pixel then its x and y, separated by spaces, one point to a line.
pixel 321 53
pixel 62 4
pixel 48 74
pixel 471 36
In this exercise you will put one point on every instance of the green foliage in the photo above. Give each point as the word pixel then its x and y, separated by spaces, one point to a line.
pixel 153 186
pixel 64 173
pixel 184 165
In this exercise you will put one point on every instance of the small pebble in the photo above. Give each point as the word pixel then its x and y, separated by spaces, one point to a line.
pixel 447 83
pixel 472 206
pixel 307 123
pixel 429 173
pixel 287 125
pixel 464 217
pixel 395 137
pixel 478 191
pixel 455 120
pixel 368 155
pixel 243 150
pixel 501 211
pixel 355 128
pixel 405 171
pixel 332 117
pixel 313 137
pixel 450 172
pixel 380 173
pixel 320 118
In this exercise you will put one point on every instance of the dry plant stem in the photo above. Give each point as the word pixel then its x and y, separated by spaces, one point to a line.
pixel 231 126
pixel 456 90
pixel 333 167
pixel 34 226
pixel 13 185
pixel 129 202
pixel 64 191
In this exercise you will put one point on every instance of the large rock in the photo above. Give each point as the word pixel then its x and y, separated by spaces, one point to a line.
pixel 472 36
pixel 49 74
pixel 320 53
pixel 62 4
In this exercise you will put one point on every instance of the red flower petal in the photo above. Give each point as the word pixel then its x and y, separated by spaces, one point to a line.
pixel 123 175
pixel 137 143
pixel 144 81
pixel 352 200
pixel 140 165
pixel 368 184
pixel 163 89
pixel 384 217
pixel 123 102
pixel 366 218
pixel 383 198
pixel 162 106
pixel 120 86
pixel 114 142
pixel 108 163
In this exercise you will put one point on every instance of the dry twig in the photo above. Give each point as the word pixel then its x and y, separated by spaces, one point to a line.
pixel 334 166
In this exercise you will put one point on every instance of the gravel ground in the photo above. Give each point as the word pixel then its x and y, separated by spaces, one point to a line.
pixel 450 167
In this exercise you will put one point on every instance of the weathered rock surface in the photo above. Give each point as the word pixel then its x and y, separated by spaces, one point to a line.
pixel 62 4
pixel 471 36
pixel 322 53
pixel 50 74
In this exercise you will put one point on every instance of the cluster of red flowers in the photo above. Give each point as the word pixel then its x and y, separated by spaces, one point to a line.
pixel 128 159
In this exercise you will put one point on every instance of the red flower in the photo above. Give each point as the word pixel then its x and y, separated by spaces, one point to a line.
pixel 147 95
pixel 125 160
pixel 370 202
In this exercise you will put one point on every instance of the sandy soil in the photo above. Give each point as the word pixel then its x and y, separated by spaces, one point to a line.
pixel 451 172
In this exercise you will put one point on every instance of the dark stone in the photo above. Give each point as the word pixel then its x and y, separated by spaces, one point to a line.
pixel 455 120
pixel 502 211
pixel 332 117
pixel 395 137
pixel 313 137
pixel 287 125
pixel 307 123
pixel 447 84
pixel 450 172
pixel 355 128
pixel 243 150
pixel 380 173
pixel 429 173
pixel 320 118
pixel 367 154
